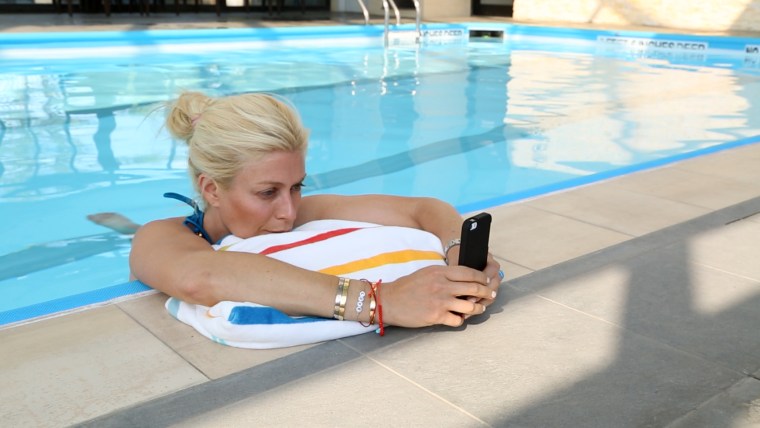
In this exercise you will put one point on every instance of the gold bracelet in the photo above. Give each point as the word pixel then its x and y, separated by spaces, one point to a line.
pixel 337 298
pixel 372 305
pixel 341 296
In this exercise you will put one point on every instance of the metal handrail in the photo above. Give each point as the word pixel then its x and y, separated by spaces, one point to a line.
pixel 395 11
pixel 365 12
pixel 385 21
pixel 418 13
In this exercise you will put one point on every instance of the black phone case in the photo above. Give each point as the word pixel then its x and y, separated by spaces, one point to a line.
pixel 474 247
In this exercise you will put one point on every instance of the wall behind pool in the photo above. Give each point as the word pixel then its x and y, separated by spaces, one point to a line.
pixel 693 15
pixel 701 15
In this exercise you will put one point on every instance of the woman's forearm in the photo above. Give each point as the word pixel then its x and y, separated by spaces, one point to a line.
pixel 167 257
pixel 438 218
pixel 246 277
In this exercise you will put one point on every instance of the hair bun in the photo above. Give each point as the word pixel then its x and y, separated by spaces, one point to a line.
pixel 184 114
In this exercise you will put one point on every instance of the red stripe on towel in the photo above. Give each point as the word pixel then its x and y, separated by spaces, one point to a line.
pixel 315 238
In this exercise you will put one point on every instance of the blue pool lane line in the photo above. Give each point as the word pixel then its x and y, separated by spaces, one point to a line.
pixel 604 175
pixel 72 302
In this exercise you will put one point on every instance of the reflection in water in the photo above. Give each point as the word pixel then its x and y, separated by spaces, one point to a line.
pixel 585 113
pixel 102 139
pixel 43 256
pixel 410 158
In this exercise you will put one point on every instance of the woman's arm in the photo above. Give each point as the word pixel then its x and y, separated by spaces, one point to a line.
pixel 432 215
pixel 429 214
pixel 167 256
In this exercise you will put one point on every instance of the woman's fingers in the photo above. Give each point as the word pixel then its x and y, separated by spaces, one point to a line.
pixel 438 295
pixel 493 270
pixel 470 284
pixel 495 277
pixel 467 308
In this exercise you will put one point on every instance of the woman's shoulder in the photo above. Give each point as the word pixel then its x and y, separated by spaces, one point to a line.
pixel 161 228
pixel 169 222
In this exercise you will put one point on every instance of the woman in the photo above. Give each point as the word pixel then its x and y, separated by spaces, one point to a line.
pixel 246 161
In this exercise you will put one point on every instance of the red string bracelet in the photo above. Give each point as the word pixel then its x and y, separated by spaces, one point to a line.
pixel 376 289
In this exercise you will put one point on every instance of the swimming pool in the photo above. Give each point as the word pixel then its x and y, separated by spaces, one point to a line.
pixel 477 121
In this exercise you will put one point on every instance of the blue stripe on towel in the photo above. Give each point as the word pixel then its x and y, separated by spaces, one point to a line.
pixel 173 307
pixel 219 340
pixel 245 315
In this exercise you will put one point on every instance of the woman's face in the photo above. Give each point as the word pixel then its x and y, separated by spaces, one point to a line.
pixel 263 197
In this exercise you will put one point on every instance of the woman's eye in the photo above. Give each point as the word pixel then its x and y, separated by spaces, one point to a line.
pixel 269 193
pixel 297 188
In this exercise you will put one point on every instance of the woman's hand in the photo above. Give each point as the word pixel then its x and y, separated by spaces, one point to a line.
pixel 495 276
pixel 492 271
pixel 430 296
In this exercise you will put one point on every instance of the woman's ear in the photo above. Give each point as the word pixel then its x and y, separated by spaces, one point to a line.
pixel 209 190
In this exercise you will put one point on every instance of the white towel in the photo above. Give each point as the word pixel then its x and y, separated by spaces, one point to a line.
pixel 343 248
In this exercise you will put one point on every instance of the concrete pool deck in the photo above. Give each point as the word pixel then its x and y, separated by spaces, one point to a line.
pixel 631 302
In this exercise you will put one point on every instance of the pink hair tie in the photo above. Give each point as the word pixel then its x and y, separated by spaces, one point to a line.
pixel 194 120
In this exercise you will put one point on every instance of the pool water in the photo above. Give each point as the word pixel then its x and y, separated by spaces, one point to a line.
pixel 476 122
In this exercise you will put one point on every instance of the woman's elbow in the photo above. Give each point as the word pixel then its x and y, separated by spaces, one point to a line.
pixel 191 285
pixel 198 289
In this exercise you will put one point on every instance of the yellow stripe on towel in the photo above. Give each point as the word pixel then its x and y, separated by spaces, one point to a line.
pixel 403 256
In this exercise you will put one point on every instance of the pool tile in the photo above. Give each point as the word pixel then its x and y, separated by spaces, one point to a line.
pixel 216 361
pixel 746 151
pixel 150 312
pixel 608 206
pixel 688 186
pixel 754 218
pixel 212 359
pixel 663 294
pixel 740 164
pixel 68 369
pixel 539 362
pixel 537 239
pixel 511 270
pixel 733 248
pixel 738 407
pixel 361 392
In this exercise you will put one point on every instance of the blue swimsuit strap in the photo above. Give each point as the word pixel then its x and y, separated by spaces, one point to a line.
pixel 195 220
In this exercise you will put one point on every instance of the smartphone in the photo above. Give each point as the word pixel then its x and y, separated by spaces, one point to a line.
pixel 473 251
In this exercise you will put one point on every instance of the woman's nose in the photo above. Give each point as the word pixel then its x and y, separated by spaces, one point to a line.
pixel 287 209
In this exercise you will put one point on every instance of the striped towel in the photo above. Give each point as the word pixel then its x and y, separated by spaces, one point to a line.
pixel 342 248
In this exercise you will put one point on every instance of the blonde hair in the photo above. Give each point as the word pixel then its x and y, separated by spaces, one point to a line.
pixel 226 132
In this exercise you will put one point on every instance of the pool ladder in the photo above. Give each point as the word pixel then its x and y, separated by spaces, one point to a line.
pixel 417 13
pixel 386 13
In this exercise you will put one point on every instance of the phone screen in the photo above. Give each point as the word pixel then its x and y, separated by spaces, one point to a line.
pixel 474 247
